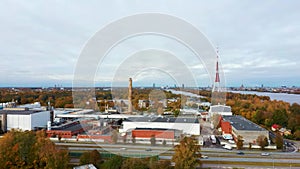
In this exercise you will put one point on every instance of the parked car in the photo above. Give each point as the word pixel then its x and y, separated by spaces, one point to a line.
pixel 240 153
pixel 231 141
pixel 265 154
pixel 204 156
pixel 228 147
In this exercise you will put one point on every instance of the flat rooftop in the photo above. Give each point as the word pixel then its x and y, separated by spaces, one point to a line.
pixel 162 119
pixel 241 123
pixel 19 112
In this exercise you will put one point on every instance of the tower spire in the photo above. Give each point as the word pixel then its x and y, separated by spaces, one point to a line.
pixel 217 79
pixel 216 86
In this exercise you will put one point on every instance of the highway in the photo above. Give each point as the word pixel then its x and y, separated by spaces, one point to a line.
pixel 214 154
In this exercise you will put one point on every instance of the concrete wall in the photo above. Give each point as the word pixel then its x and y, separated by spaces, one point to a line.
pixel 40 119
pixel 18 121
pixel 249 136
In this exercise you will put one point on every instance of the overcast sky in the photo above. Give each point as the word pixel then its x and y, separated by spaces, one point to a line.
pixel 259 41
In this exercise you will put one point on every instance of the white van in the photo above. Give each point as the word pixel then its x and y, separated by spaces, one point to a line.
pixel 228 147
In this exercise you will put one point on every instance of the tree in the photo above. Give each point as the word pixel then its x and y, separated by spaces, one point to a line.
pixel 262 141
pixel 134 163
pixel 133 140
pixel 113 163
pixel 114 136
pixel 279 140
pixel 91 157
pixel 239 142
pixel 30 150
pixel 280 117
pixel 187 153
pixel 164 142
pixel 176 112
pixel 297 135
pixel 153 140
pixel 163 164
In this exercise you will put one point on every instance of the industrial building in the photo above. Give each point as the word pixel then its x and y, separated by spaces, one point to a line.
pixel 243 127
pixel 220 109
pixel 23 118
pixel 188 126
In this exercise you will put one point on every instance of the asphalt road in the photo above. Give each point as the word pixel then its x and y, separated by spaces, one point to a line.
pixel 214 154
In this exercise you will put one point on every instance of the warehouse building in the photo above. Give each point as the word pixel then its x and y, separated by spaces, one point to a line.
pixel 23 118
pixel 188 126
pixel 243 127
pixel 220 109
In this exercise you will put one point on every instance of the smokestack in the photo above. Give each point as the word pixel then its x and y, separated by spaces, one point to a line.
pixel 4 122
pixel 130 96
pixel 49 108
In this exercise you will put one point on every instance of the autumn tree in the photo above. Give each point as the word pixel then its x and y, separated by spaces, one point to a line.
pixel 91 157
pixel 187 153
pixel 279 140
pixel 134 163
pixel 28 149
pixel 262 141
pixel 239 142
pixel 159 164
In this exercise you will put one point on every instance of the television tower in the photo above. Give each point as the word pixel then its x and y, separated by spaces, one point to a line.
pixel 216 85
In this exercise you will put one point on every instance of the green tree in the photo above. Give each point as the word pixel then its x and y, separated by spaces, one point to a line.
pixel 262 141
pixel 187 154
pixel 239 142
pixel 280 117
pixel 164 142
pixel 176 112
pixel 91 157
pixel 113 163
pixel 134 163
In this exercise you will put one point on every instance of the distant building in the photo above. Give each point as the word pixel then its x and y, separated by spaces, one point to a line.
pixel 243 127
pixel 220 109
pixel 143 103
pixel 23 118
pixel 189 126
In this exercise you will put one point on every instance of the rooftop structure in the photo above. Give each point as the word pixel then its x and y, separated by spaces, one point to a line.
pixel 163 119
pixel 220 109
pixel 241 123
pixel 186 125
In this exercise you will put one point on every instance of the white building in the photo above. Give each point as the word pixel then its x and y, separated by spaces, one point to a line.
pixel 23 119
pixel 220 109
pixel 189 126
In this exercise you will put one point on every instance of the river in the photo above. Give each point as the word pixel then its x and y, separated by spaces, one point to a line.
pixel 290 98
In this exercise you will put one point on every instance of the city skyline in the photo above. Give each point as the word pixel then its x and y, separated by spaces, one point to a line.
pixel 258 41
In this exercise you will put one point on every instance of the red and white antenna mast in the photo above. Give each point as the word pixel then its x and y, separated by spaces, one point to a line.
pixel 216 86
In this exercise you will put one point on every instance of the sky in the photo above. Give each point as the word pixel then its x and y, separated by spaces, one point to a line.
pixel 42 41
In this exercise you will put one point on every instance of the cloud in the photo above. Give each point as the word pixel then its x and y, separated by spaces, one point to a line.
pixel 40 42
